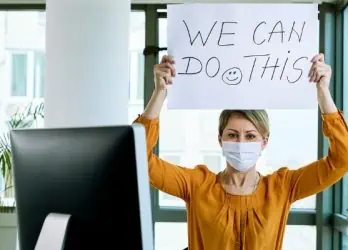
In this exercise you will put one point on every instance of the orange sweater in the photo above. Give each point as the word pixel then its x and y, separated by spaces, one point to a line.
pixel 221 221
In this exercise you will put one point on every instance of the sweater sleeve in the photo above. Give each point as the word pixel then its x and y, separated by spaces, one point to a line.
pixel 321 174
pixel 165 176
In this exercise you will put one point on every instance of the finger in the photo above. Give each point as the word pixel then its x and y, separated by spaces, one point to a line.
pixel 168 80
pixel 167 77
pixel 316 67
pixel 322 65
pixel 311 73
pixel 319 64
pixel 323 68
pixel 162 68
pixel 319 58
pixel 316 77
pixel 315 73
pixel 167 58
pixel 165 70
pixel 169 66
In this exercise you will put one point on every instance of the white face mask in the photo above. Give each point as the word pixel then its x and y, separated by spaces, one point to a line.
pixel 242 156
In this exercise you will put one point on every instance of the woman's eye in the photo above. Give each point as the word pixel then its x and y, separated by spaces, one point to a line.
pixel 233 135
pixel 250 137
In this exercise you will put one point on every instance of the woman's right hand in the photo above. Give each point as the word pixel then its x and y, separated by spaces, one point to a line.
pixel 164 72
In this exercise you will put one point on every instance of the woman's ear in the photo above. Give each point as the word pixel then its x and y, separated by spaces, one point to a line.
pixel 265 143
pixel 219 139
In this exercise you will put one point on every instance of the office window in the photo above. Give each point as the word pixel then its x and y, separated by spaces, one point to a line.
pixel 344 242
pixel 208 125
pixel 173 236
pixel 41 16
pixel 27 69
pixel 170 236
pixel 136 91
pixel 140 83
pixel 213 162
pixel 19 62
pixel 300 238
pixel 293 141
pixel 136 65
pixel 39 74
pixel 171 157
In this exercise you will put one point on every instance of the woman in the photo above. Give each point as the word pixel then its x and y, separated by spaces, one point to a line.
pixel 239 208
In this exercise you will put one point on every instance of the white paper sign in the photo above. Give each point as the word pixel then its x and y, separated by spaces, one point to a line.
pixel 242 56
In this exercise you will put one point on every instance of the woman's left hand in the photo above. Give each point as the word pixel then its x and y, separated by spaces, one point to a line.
pixel 320 72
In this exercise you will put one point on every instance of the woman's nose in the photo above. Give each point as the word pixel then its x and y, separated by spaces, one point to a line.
pixel 241 139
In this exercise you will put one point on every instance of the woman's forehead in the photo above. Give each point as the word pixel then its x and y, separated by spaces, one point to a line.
pixel 239 122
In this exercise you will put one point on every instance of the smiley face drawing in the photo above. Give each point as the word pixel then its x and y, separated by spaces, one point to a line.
pixel 232 76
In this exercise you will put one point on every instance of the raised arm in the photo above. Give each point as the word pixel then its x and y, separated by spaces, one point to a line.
pixel 164 176
pixel 325 172
pixel 163 74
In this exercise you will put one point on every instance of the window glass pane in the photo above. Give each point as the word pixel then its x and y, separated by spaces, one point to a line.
pixel 344 242
pixel 213 162
pixel 136 64
pixel 300 238
pixel 194 133
pixel 296 237
pixel 19 74
pixel 170 236
pixel 39 74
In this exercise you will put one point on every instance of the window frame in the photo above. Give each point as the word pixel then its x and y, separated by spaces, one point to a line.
pixel 36 53
pixel 134 89
pixel 10 53
pixel 327 237
pixel 30 81
pixel 345 101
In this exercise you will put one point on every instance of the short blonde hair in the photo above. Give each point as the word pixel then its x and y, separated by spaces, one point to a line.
pixel 257 117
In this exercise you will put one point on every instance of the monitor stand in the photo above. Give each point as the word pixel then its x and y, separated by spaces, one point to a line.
pixel 52 235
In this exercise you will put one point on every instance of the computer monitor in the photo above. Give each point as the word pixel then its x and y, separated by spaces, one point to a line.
pixel 97 175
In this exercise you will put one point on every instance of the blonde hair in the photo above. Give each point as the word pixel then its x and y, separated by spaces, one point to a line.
pixel 257 117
